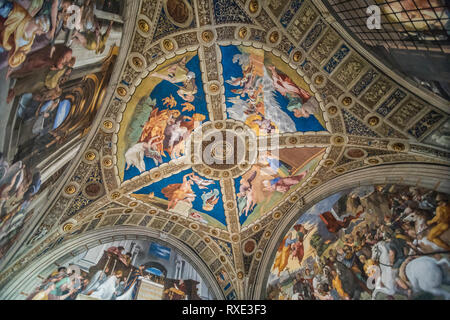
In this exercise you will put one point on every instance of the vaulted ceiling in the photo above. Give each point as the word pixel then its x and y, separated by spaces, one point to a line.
pixel 367 123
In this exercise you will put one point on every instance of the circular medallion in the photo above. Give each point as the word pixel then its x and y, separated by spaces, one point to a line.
pixel 90 156
pixel 207 36
pixel 339 170
pixel 274 37
pixel 93 190
pixel 194 226
pixel 115 195
pixel 133 204
pixel 70 189
pixel 168 45
pixel 297 56
pixel 399 147
pixel 108 124
pixel 338 140
pixel 179 12
pixel 346 101
pixel 319 79
pixel 373 161
pixel 137 62
pixel 276 215
pixel 214 88
pixel 68 227
pixel 156 175
pixel 373 121
pixel 355 153
pixel 222 150
pixel 143 26
pixel 253 6
pixel 332 110
pixel 121 91
pixel 107 162
pixel 243 32
pixel 249 246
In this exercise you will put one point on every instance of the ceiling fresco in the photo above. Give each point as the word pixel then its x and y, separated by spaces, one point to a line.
pixel 222 122
pixel 259 88
pixel 169 105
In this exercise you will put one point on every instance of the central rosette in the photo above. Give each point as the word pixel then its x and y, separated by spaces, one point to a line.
pixel 222 149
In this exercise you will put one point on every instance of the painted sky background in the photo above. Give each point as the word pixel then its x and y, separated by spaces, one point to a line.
pixel 163 90
pixel 217 213
pixel 231 69
pixel 159 251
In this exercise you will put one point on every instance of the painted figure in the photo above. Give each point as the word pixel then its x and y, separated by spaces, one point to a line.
pixel 210 199
pixel 357 249
pixel 180 192
pixel 179 73
pixel 93 40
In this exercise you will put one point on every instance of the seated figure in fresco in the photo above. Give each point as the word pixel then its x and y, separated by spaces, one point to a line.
pixel 93 40
pixel 179 73
pixel 298 97
pixel 18 31
pixel 17 188
pixel 283 184
pixel 45 85
pixel 50 57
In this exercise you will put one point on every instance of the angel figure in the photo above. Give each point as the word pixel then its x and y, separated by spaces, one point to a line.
pixel 179 73
pixel 179 192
